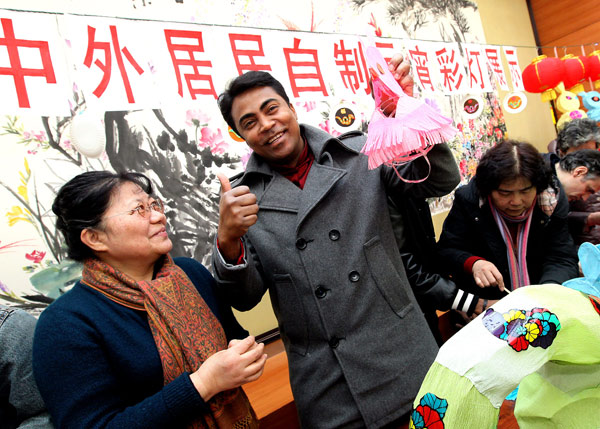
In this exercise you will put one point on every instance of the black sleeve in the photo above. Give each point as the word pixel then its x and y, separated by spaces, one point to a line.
pixel 433 292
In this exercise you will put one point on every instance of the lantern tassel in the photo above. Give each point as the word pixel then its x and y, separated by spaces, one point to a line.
pixel 401 127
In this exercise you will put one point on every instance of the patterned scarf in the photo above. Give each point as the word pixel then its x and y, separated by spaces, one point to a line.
pixel 185 331
pixel 517 256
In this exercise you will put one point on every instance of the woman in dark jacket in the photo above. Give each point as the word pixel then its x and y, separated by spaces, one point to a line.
pixel 508 227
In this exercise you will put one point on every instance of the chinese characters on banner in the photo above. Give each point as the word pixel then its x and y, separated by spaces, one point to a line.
pixel 33 67
pixel 43 57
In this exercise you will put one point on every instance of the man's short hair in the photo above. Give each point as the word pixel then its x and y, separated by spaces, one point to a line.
pixel 243 83
pixel 589 158
pixel 577 132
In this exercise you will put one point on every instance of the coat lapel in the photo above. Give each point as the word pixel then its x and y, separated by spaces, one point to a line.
pixel 321 179
pixel 281 194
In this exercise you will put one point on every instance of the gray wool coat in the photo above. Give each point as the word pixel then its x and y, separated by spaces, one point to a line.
pixel 358 346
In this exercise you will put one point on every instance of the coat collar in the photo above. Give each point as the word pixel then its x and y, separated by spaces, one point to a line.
pixel 318 141
pixel 281 194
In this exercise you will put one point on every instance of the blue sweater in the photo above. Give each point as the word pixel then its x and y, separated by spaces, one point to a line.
pixel 97 366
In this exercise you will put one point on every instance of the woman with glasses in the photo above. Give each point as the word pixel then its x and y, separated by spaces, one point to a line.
pixel 141 341
pixel 508 227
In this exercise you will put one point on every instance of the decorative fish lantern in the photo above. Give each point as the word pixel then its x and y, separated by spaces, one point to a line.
pixel 402 128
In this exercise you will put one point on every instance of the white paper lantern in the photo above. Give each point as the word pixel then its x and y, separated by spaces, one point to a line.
pixel 88 135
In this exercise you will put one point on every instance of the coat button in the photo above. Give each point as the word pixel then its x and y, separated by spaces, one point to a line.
pixel 320 292
pixel 334 235
pixel 354 276
pixel 334 342
pixel 301 244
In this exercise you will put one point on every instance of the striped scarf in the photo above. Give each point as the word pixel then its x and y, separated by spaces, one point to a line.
pixel 185 330
pixel 517 255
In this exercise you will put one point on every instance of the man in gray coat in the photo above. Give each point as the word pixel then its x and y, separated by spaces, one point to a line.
pixel 308 221
pixel 21 405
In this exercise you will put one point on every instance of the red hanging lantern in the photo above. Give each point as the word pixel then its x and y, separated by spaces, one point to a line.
pixel 594 68
pixel 576 69
pixel 542 76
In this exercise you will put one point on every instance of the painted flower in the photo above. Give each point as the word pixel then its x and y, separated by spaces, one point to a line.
pixel 308 105
pixel 532 330
pixel 41 136
pixel 18 214
pixel 4 288
pixel 30 136
pixel 208 138
pixel 22 191
pixel 326 126
pixel 429 413
pixel 373 23
pixel 196 118
pixel 36 256
pixel 514 314
pixel 518 343
pixel 246 157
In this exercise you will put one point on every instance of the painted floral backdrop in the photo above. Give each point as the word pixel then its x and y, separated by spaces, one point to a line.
pixel 182 148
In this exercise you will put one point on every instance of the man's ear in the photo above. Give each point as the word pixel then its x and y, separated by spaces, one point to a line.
pixel 580 171
pixel 93 239
pixel 293 110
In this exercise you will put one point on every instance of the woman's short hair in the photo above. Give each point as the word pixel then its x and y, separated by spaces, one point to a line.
pixel 507 161
pixel 83 200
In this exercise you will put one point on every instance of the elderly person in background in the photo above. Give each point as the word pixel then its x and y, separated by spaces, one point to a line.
pixel 584 215
pixel 577 134
pixel 141 340
pixel 508 227
pixel 21 405
pixel 579 174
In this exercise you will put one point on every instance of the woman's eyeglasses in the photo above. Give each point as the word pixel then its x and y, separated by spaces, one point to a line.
pixel 144 209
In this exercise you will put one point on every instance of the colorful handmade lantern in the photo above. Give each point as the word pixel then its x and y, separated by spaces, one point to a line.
pixel 543 75
pixel 575 72
pixel 568 104
pixel 594 68
pixel 591 101
pixel 402 128
pixel 545 339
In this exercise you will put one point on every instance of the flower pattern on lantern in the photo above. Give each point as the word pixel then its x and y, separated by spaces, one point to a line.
pixel 429 413
pixel 537 327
